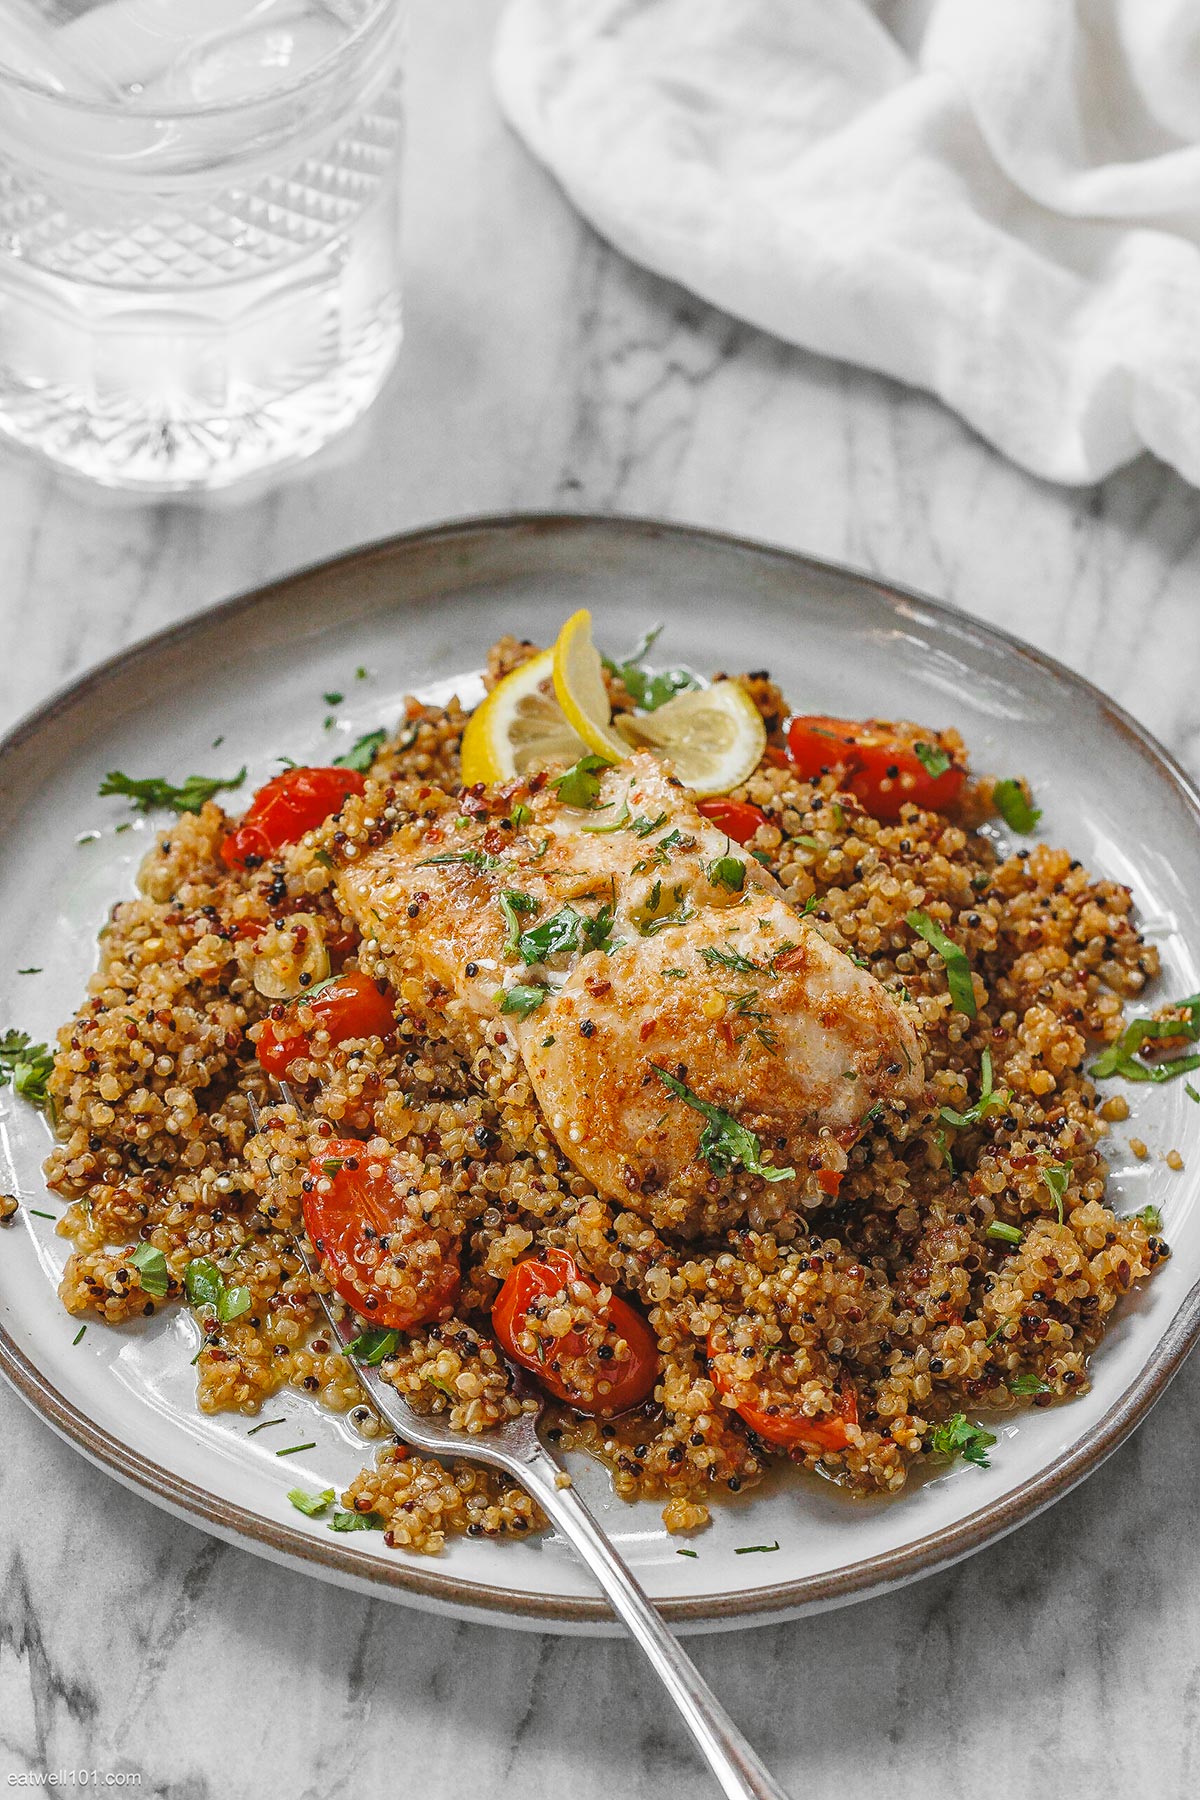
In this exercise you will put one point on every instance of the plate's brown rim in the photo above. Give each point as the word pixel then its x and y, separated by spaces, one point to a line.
pixel 925 1555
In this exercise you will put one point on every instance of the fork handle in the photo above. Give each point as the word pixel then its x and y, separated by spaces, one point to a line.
pixel 730 1757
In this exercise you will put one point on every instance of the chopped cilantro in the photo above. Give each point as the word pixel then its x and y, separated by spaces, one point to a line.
pixel 958 969
pixel 727 872
pixel 151 1266
pixel 356 1521
pixel 724 1143
pixel 371 1347
pixel 566 931
pixel 360 674
pixel 523 999
pixel 990 1099
pixel 1015 807
pixel 149 791
pixel 311 1505
pixel 580 786
pixel 361 755
pixel 1004 1234
pixel 1118 1059
pixel 1057 1178
pixel 682 913
pixel 617 824
pixel 643 826
pixel 473 859
pixel 958 1437
pixel 28 1066
pixel 333 699
pixel 1025 1385
pixel 513 904
pixel 204 1285
pixel 647 690
pixel 1151 1218
pixel 932 758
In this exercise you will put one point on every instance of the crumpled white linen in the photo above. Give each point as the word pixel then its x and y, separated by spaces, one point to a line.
pixel 1004 210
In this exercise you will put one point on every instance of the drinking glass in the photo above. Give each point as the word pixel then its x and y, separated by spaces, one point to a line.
pixel 199 222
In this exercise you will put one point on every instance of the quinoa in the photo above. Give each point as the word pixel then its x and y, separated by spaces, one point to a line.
pixel 945 1272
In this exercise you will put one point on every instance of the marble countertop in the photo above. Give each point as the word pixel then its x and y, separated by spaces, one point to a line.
pixel 541 371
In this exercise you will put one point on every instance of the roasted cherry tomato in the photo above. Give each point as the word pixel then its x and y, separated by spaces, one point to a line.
pixel 375 1245
pixel 882 769
pixel 530 1292
pixel 773 1415
pixel 736 818
pixel 350 1007
pixel 281 812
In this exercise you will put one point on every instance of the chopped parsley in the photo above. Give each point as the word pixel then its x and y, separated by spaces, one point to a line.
pixel 1151 1218
pixel 724 1143
pixel 333 699
pixel 932 758
pixel 754 1549
pixel 360 674
pixel 990 1099
pixel 1015 807
pixel 523 999
pixel 1004 1234
pixel 514 905
pixel 1057 1178
pixel 958 1437
pixel 566 931
pixel 1119 1058
pixel 356 1521
pixel 362 754
pixel 729 959
pixel 647 690
pixel 146 792
pixel 204 1285
pixel 371 1347
pixel 28 1066
pixel 311 1505
pixel 580 786
pixel 151 1266
pixel 1026 1385
pixel 958 969
pixel 727 872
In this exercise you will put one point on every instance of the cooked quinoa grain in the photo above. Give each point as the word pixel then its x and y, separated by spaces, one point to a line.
pixel 944 1272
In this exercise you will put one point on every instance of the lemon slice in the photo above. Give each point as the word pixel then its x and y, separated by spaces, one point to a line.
pixel 579 685
pixel 519 727
pixel 714 736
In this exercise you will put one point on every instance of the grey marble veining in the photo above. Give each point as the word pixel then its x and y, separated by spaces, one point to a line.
pixel 543 372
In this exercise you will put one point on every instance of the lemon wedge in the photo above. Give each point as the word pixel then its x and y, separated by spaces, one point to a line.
pixel 714 736
pixel 579 686
pixel 520 727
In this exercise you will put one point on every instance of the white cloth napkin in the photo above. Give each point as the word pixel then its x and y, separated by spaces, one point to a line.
pixel 1003 209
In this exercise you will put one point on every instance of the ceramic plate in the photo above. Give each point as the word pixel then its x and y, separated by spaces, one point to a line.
pixel 417 613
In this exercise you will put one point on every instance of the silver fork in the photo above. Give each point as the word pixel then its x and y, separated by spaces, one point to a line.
pixel 517 1449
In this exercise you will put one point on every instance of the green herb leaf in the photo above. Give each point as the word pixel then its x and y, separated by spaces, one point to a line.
pixel 334 699
pixel 520 814
pixel 361 755
pixel 1151 1218
pixel 580 786
pixel 150 791
pixel 932 758
pixel 203 1282
pixel 1025 1385
pixel 311 1505
pixel 647 690
pixel 356 1521
pixel 958 969
pixel 958 1437
pixel 1014 806
pixel 1004 1234
pixel 1057 1177
pixel 617 824
pixel 28 1066
pixel 473 859
pixel 514 904
pixel 727 872
pixel 151 1266
pixel 371 1347
pixel 1118 1059
pixel 724 1143
pixel 643 827
pixel 233 1303
pixel 523 999
pixel 990 1099
pixel 682 913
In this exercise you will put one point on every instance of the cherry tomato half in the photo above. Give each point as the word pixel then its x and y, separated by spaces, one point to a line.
pixel 381 1255
pixel 772 1415
pixel 350 1007
pixel 738 819
pixel 290 804
pixel 882 769
pixel 530 1288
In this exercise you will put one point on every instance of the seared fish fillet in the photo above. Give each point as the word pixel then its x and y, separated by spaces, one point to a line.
pixel 687 1034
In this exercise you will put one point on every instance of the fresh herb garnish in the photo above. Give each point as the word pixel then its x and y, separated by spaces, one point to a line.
pixel 264 1425
pixel 958 1437
pixel 990 1099
pixel 1151 1218
pixel 1004 1234
pixel 514 904
pixel 682 913
pixel 36 1213
pixel 294 1449
pixel 1188 1089
pixel 360 674
pixel 78 1338
pixel 754 1549
pixel 204 1285
pixel 1015 807
pixel 361 755
pixel 523 999
pixel 356 1521
pixel 649 691
pixel 724 1143
pixel 371 1347
pixel 1024 1385
pixel 151 1266
pixel 1118 1059
pixel 691 1553
pixel 643 826
pixel 730 959
pixel 311 1505
pixel 932 758
pixel 333 699
pixel 727 872
pixel 150 791
pixel 617 824
pixel 1057 1178
pixel 28 1066
pixel 958 969
pixel 580 786
pixel 29 971
pixel 520 814
pixel 564 932
pixel 473 859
